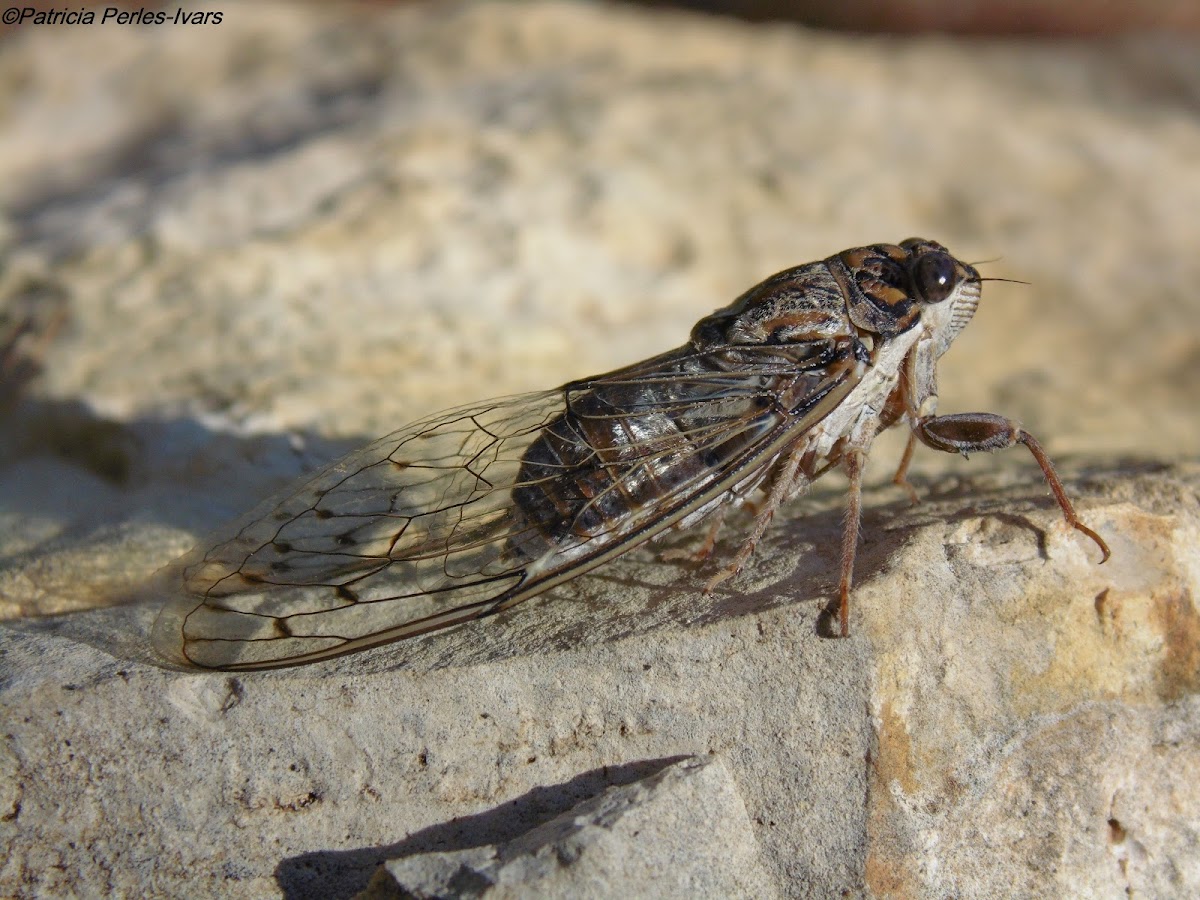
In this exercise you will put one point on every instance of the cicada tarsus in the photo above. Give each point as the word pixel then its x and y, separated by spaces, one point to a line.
pixel 471 511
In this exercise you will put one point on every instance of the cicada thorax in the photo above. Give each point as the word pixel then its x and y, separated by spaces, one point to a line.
pixel 796 307
pixel 877 286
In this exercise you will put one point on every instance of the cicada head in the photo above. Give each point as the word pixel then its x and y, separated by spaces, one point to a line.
pixel 895 287
pixel 948 290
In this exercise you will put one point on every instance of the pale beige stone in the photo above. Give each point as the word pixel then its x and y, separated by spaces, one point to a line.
pixel 281 237
pixel 996 695
pixel 682 832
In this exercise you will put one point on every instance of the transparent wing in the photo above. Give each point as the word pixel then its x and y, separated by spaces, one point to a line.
pixel 480 507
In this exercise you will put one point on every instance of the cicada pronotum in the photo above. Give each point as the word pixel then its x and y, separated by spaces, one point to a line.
pixel 471 511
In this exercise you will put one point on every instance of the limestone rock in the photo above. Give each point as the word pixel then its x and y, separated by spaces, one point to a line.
pixel 682 832
pixel 242 251
pixel 1006 713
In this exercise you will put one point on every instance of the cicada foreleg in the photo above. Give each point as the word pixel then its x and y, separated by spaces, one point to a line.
pixel 969 432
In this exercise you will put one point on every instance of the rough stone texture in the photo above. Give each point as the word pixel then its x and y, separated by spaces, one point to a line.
pixel 1007 712
pixel 275 239
pixel 682 832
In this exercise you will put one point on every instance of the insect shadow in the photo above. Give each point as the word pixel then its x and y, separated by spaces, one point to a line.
pixel 646 590
pixel 642 592
pixel 639 593
pixel 344 873
pixel 119 494
pixel 796 564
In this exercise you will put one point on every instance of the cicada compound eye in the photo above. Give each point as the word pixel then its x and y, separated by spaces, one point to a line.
pixel 934 276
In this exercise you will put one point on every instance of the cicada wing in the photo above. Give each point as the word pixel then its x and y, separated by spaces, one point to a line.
pixel 480 507
pixel 408 534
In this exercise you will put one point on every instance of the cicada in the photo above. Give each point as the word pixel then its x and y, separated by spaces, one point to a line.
pixel 471 511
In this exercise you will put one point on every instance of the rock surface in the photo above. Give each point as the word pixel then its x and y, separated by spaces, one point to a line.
pixel 1006 712
pixel 276 239
pixel 682 832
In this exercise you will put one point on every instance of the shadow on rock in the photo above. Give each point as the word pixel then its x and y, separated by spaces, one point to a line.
pixel 338 874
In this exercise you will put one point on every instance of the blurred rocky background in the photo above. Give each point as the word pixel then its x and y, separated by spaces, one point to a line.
pixel 229 252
